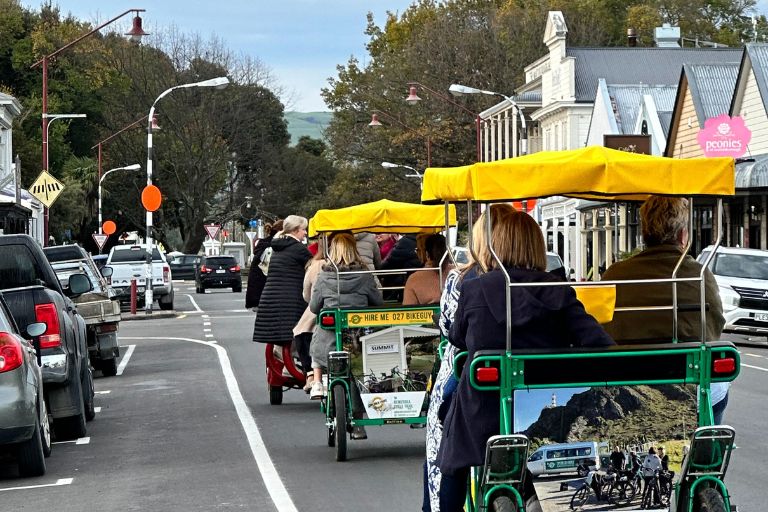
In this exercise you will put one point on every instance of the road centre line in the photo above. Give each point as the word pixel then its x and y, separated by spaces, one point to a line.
pixel 105 392
pixel 124 360
pixel 267 469
pixel 755 355
pixel 197 308
pixel 59 482
pixel 755 367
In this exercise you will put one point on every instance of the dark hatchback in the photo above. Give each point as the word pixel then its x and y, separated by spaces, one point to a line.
pixel 184 266
pixel 218 272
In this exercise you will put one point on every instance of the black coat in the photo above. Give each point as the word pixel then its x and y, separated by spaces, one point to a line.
pixel 402 255
pixel 543 317
pixel 256 278
pixel 281 303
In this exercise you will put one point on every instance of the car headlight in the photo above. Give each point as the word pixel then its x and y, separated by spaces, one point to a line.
pixel 729 298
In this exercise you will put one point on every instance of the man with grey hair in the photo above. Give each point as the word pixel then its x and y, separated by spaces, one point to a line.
pixel 664 224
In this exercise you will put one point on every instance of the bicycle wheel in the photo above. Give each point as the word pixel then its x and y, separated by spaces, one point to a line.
pixel 647 500
pixel 622 493
pixel 340 406
pixel 708 500
pixel 580 497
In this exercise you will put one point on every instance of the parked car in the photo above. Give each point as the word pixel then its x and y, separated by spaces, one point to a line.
pixel 100 260
pixel 742 279
pixel 24 428
pixel 556 267
pixel 98 308
pixel 218 272
pixel 184 266
pixel 128 262
pixel 33 294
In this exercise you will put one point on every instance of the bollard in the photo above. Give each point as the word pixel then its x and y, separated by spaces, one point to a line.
pixel 133 296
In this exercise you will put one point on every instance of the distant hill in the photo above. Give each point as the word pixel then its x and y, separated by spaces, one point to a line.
pixel 307 123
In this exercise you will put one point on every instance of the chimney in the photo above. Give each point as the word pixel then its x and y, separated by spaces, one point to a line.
pixel 667 36
pixel 631 37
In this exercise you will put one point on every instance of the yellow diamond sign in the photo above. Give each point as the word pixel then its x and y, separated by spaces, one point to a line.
pixel 46 188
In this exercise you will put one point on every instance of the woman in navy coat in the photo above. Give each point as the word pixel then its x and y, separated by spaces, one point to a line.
pixel 542 317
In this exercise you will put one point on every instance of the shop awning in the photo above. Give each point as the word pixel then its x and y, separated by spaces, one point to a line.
pixel 752 172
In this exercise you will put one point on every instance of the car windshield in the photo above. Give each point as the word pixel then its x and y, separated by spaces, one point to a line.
pixel 749 266
pixel 135 253
pixel 18 267
pixel 553 262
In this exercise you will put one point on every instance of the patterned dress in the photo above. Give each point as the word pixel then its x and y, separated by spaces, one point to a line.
pixel 444 384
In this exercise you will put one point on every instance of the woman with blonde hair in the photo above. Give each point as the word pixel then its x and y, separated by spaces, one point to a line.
pixel 542 317
pixel 336 289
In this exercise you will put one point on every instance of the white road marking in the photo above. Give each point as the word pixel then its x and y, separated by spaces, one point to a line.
pixel 207 329
pixel 226 317
pixel 60 481
pixel 209 335
pixel 267 469
pixel 238 311
pixel 97 409
pixel 755 367
pixel 197 308
pixel 205 316
pixel 181 317
pixel 125 359
pixel 81 440
pixel 206 323
pixel 755 355
pixel 106 392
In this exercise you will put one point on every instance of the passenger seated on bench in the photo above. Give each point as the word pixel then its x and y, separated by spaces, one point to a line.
pixel 664 222
pixel 542 317
pixel 423 287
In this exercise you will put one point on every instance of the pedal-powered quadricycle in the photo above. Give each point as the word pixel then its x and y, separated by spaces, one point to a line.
pixel 383 356
pixel 600 174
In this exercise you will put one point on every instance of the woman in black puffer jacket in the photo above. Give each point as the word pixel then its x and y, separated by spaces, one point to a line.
pixel 256 278
pixel 282 304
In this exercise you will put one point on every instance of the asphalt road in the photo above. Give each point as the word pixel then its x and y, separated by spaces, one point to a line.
pixel 187 426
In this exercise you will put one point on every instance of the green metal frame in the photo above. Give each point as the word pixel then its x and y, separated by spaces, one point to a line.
pixel 512 376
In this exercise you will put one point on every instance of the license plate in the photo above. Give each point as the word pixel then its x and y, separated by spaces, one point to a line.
pixel 761 317
pixel 221 271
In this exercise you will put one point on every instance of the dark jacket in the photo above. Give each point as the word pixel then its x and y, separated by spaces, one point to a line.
pixel 543 317
pixel 256 278
pixel 282 304
pixel 656 326
pixel 402 255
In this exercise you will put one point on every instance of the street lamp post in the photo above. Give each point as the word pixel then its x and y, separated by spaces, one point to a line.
pixel 459 90
pixel 413 98
pixel 136 33
pixel 376 123
pixel 219 83
pixel 134 167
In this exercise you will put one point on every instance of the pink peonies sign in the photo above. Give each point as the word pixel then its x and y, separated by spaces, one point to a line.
pixel 724 136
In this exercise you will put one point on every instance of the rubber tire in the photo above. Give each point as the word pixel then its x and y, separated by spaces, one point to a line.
pixel 503 504
pixel 165 306
pixel 708 500
pixel 622 493
pixel 45 431
pixel 646 501
pixel 237 289
pixel 88 398
pixel 275 395
pixel 31 455
pixel 108 367
pixel 580 497
pixel 340 413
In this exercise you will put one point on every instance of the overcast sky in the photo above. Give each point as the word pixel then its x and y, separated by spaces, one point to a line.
pixel 302 41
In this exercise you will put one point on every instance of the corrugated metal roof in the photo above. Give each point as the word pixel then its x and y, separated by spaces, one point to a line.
pixel 758 56
pixel 622 65
pixel 711 86
pixel 752 172
pixel 626 100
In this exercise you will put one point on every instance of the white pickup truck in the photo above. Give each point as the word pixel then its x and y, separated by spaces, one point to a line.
pixel 129 262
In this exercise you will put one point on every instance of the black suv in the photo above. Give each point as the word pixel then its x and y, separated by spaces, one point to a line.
pixel 218 272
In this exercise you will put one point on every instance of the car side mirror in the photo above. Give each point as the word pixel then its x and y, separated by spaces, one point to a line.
pixel 571 272
pixel 106 271
pixel 79 284
pixel 36 329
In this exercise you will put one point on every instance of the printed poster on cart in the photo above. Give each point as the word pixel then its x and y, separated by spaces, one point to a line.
pixel 407 404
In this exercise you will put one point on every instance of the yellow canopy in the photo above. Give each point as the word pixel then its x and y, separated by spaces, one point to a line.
pixel 593 172
pixel 599 301
pixel 383 216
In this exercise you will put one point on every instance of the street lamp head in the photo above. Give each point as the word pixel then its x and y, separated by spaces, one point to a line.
pixel 133 167
pixel 219 83
pixel 412 98
pixel 136 32
pixel 389 165
pixel 375 120
pixel 459 90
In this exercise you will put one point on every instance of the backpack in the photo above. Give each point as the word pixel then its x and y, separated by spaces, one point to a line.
pixel 264 261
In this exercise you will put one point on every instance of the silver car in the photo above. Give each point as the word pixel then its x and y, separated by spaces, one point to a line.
pixel 24 428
